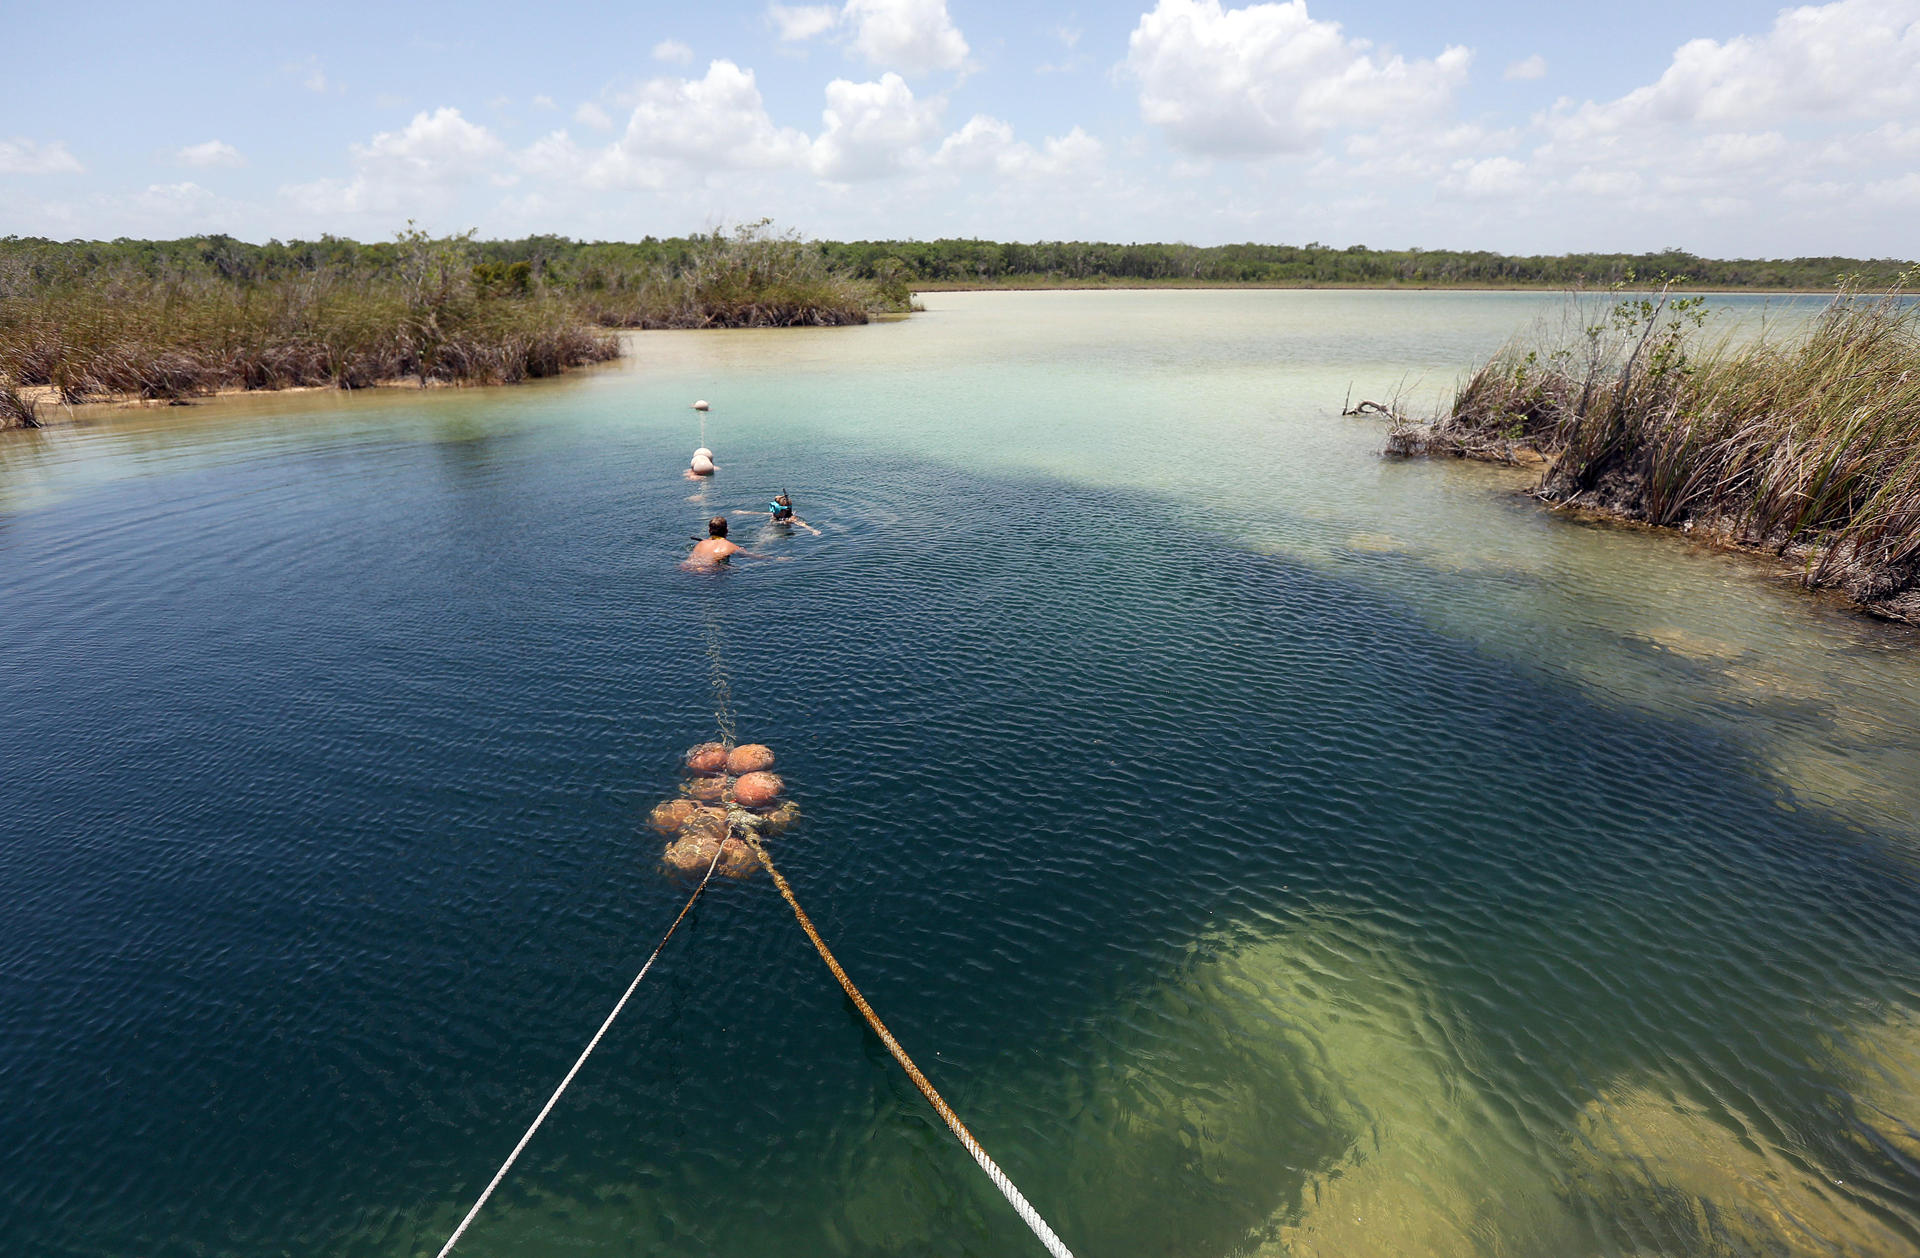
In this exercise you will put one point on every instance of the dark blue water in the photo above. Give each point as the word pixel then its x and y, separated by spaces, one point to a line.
pixel 1196 877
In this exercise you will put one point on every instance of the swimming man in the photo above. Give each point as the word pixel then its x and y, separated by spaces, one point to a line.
pixel 715 549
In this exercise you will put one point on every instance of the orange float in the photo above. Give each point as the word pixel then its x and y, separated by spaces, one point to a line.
pixel 749 758
pixel 708 759
pixel 708 790
pixel 729 797
pixel 670 816
pixel 688 856
pixel 757 790
pixel 736 859
pixel 777 821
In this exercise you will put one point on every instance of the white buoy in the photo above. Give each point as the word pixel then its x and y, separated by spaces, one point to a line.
pixel 702 466
pixel 703 453
pixel 701 405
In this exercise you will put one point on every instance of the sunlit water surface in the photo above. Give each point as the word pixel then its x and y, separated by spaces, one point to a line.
pixel 1267 847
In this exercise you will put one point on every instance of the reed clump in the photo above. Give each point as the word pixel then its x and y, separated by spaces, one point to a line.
pixel 121 331
pixel 1807 445
pixel 752 277
pixel 17 408
pixel 86 320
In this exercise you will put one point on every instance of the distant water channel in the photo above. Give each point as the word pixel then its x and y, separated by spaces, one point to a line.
pixel 1268 848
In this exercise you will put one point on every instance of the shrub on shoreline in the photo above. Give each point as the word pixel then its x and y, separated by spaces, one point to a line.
pixel 1807 445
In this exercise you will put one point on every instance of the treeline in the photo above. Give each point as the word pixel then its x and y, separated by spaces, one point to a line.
pixel 881 270
pixel 982 262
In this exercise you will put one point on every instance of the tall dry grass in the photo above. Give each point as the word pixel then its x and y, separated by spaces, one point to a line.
pixel 159 320
pixel 17 409
pixel 125 334
pixel 1807 443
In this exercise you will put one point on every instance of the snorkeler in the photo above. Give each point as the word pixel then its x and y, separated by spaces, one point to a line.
pixel 780 511
pixel 715 548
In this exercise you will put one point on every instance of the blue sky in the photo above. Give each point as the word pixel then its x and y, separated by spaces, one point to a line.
pixel 1725 128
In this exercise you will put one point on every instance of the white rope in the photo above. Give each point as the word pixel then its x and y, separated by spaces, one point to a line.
pixel 1031 1216
pixel 584 1054
pixel 1027 1213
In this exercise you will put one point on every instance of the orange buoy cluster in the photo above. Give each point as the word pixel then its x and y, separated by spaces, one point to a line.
pixel 729 793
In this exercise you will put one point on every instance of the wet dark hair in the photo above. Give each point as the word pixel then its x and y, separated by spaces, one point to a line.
pixel 717 526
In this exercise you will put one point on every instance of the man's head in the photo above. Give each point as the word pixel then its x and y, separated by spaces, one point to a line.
pixel 717 526
pixel 783 500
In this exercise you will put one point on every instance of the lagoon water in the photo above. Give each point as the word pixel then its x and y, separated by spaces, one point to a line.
pixel 1268 848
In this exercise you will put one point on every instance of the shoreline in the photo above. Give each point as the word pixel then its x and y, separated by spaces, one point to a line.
pixel 51 411
pixel 1789 566
pixel 1407 286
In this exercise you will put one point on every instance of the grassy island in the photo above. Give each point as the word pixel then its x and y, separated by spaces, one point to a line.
pixel 88 321
pixel 1806 445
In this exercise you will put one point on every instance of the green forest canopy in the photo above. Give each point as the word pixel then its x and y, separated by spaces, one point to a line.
pixel 559 262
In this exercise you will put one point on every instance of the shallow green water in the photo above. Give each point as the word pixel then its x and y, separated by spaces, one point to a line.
pixel 1267 847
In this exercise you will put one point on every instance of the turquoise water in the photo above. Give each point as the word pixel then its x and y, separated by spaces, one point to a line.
pixel 1267 848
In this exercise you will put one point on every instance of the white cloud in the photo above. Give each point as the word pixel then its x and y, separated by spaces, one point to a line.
pixel 1069 37
pixel 24 157
pixel 544 102
pixel 987 144
pixel 1490 177
pixel 910 36
pixel 1534 67
pixel 717 122
pixel 976 146
pixel 211 153
pixel 1740 148
pixel 1270 79
pixel 798 22
pixel 173 200
pixel 404 171
pixel 1076 152
pixel 312 77
pixel 433 146
pixel 872 129
pixel 674 51
pixel 1821 105
pixel 591 115
pixel 1606 184
pixel 1901 192
pixel 553 155
pixel 916 36
pixel 1853 59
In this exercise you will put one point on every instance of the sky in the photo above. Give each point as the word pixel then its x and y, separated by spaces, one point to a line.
pixel 1726 129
